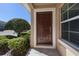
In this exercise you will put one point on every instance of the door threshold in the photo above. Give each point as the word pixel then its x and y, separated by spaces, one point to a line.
pixel 44 46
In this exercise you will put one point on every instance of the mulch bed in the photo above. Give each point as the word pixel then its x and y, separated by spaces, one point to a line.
pixel 4 51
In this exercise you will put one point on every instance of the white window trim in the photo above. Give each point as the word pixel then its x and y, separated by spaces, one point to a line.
pixel 71 19
pixel 53 27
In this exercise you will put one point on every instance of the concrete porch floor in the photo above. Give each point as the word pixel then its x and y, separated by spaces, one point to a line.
pixel 38 52
pixel 42 52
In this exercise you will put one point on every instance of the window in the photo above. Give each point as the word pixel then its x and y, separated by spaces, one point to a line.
pixel 74 11
pixel 64 12
pixel 64 16
pixel 70 23
pixel 65 31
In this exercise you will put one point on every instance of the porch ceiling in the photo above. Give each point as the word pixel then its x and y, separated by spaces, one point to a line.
pixel 31 6
pixel 44 5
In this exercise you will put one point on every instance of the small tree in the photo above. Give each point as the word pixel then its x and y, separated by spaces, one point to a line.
pixel 18 25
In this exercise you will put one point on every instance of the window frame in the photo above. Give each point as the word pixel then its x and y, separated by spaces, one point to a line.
pixel 68 20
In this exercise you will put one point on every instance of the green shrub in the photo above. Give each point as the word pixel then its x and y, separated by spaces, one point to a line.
pixel 3 41
pixel 26 33
pixel 15 43
pixel 26 36
pixel 19 51
pixel 18 45
pixel 3 45
pixel 10 37
pixel 27 41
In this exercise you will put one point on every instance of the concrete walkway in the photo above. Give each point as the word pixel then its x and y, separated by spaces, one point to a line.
pixel 42 52
pixel 8 53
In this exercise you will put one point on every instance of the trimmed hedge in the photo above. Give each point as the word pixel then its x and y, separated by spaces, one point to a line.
pixel 10 37
pixel 26 36
pixel 3 45
pixel 26 33
pixel 3 42
pixel 18 46
pixel 15 43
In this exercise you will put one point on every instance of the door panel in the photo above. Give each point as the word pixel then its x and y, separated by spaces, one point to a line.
pixel 44 27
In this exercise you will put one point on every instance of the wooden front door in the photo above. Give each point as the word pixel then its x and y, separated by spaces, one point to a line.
pixel 44 27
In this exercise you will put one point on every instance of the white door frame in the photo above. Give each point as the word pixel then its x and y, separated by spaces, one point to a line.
pixel 53 27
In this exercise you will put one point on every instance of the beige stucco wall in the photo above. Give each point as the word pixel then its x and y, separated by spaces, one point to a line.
pixel 64 51
pixel 32 30
pixel 32 26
